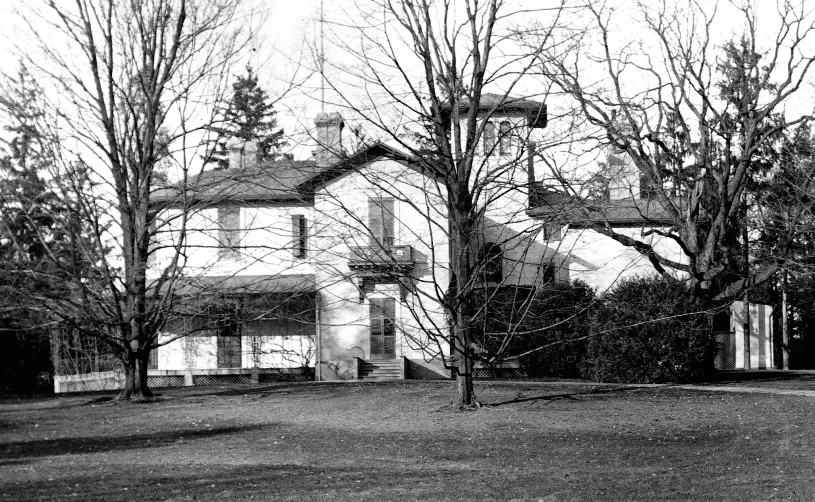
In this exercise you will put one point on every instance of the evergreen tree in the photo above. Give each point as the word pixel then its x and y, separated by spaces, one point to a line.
pixel 249 116
pixel 31 214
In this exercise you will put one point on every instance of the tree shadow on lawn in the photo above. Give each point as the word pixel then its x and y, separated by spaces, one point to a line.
pixel 287 482
pixel 290 388
pixel 566 396
pixel 21 451
pixel 768 375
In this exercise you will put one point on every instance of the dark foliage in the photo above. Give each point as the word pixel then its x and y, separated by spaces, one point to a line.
pixel 650 330
pixel 546 327
pixel 249 116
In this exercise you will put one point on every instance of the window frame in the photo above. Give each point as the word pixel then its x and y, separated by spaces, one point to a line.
pixel 299 236
pixel 230 238
pixel 505 138
pixel 489 138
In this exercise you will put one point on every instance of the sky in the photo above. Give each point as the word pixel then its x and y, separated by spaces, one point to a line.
pixel 285 54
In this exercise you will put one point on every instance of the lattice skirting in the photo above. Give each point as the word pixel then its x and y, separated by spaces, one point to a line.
pixel 283 376
pixel 499 373
pixel 221 379
pixel 726 357
pixel 159 381
pixel 91 386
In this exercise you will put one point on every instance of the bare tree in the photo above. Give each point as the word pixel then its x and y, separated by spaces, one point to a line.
pixel 429 77
pixel 135 87
pixel 695 115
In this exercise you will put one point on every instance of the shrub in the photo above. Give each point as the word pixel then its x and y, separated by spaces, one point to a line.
pixel 649 330
pixel 559 323
pixel 544 322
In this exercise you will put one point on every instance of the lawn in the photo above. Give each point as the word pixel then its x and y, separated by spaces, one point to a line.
pixel 397 441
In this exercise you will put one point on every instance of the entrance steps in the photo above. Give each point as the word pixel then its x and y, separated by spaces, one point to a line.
pixel 388 369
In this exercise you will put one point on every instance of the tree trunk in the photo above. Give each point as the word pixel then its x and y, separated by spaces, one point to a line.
pixel 785 340
pixel 464 371
pixel 461 237
pixel 136 387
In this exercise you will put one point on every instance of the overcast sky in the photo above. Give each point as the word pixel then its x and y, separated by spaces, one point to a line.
pixel 286 53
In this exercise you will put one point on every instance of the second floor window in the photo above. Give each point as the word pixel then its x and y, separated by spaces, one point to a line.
pixel 229 232
pixel 505 138
pixel 299 235
pixel 489 138
pixel 380 222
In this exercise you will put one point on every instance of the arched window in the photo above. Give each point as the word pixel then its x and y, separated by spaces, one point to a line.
pixel 489 138
pixel 505 138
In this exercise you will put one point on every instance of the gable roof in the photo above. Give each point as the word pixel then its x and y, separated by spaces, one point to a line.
pixel 281 181
pixel 267 181
pixel 362 157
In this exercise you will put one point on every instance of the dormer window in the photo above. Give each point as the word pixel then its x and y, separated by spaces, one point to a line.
pixel 505 138
pixel 489 138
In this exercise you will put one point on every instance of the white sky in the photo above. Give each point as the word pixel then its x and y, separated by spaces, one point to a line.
pixel 290 31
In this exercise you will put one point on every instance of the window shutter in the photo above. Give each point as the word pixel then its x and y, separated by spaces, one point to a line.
pixel 552 231
pixel 387 222
pixel 229 233
pixel 374 222
pixel 388 316
pixel 505 139
pixel 299 235
pixel 381 222
pixel 376 326
pixel 388 327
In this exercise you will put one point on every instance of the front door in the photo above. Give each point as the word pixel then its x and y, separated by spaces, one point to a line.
pixel 383 330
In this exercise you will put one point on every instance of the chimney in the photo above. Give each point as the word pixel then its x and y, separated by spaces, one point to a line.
pixel 329 138
pixel 243 154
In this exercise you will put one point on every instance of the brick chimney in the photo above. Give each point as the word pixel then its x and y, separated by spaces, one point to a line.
pixel 329 138
pixel 243 154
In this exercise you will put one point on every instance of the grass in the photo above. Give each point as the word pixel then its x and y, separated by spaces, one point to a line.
pixel 396 441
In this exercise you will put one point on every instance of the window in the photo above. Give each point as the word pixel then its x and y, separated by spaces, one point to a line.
pixel 380 222
pixel 505 138
pixel 152 361
pixel 299 232
pixel 229 341
pixel 549 273
pixel 229 233
pixel 493 263
pixel 489 138
pixel 383 329
pixel 551 231
pixel 648 187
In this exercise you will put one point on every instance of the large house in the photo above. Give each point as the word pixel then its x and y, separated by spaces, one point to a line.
pixel 339 263
pixel 334 267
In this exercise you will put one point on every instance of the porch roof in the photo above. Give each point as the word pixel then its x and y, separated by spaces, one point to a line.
pixel 245 284
pixel 585 213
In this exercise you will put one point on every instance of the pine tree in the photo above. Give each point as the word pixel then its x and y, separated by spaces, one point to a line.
pixel 249 116
pixel 31 214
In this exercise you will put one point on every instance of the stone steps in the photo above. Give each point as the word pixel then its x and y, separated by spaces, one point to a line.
pixel 380 370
